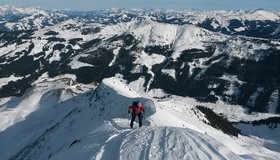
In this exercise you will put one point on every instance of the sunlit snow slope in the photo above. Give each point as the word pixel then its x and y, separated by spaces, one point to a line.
pixel 66 120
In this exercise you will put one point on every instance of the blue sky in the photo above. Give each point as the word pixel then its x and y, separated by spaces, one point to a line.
pixel 272 5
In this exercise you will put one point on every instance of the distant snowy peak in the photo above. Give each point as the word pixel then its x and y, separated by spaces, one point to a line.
pixel 28 18
pixel 190 37
pixel 155 14
pixel 263 15
pixel 116 15
pixel 153 33
pixel 259 23
pixel 8 9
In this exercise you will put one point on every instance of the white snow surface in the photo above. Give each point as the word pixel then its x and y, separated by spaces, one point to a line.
pixel 4 81
pixel 77 64
pixel 151 33
pixel 149 60
pixel 273 102
pixel 170 72
pixel 61 119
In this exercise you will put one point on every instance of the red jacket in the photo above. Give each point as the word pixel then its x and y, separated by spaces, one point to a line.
pixel 135 109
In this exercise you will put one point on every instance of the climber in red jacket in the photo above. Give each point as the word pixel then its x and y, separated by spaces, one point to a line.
pixel 136 109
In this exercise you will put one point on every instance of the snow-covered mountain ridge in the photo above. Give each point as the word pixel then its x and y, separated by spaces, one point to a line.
pixel 258 23
pixel 185 59
pixel 67 77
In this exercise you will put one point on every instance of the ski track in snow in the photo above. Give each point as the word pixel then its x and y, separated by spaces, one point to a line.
pixel 159 143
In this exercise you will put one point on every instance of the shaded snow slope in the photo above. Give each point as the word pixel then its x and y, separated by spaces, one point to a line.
pixel 94 125
pixel 35 114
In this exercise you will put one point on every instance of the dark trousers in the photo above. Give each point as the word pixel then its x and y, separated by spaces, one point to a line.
pixel 133 116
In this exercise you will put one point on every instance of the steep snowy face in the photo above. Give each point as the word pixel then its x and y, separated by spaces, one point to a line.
pixel 36 114
pixel 36 99
pixel 166 51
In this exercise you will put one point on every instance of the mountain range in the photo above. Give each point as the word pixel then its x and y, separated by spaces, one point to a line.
pixel 214 74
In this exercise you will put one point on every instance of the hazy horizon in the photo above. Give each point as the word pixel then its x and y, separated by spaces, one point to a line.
pixel 87 5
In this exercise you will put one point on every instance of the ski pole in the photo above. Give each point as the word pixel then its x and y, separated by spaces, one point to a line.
pixel 128 119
